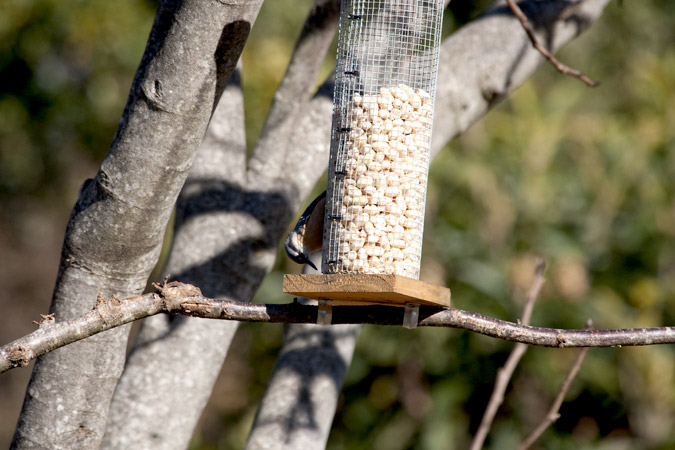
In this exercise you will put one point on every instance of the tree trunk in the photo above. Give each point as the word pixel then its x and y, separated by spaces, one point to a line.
pixel 229 220
pixel 115 233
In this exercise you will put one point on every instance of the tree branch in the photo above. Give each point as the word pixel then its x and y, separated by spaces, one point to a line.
pixel 184 299
pixel 506 372
pixel 560 67
pixel 553 413
pixel 481 63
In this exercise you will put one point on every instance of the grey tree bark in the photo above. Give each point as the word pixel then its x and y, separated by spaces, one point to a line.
pixel 230 217
pixel 143 408
pixel 115 232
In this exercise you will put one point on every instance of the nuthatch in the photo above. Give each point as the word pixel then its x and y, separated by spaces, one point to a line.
pixel 307 236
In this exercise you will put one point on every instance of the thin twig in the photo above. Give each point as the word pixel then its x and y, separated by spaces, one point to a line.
pixel 553 413
pixel 560 67
pixel 506 372
pixel 534 291
pixel 186 300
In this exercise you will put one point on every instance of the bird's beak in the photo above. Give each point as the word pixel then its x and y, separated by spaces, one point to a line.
pixel 311 264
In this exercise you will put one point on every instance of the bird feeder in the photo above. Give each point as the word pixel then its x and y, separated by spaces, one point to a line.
pixel 383 103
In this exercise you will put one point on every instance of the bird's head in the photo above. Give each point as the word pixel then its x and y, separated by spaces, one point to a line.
pixel 295 251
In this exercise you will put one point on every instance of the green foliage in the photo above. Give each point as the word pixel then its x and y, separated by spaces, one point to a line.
pixel 66 70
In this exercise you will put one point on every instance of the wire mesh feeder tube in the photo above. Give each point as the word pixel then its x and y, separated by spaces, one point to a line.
pixel 385 84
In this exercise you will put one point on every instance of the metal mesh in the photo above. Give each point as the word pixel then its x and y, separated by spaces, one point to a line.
pixel 385 84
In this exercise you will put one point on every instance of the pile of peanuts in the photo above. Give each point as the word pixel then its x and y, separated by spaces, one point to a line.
pixel 386 159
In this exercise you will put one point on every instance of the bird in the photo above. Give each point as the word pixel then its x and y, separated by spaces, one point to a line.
pixel 307 235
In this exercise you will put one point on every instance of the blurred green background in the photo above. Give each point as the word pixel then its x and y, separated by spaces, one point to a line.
pixel 583 177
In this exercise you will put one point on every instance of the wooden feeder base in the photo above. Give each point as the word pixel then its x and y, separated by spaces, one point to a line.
pixel 366 289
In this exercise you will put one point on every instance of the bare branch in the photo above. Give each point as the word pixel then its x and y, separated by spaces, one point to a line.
pixel 506 372
pixel 553 413
pixel 185 299
pixel 560 67
pixel 534 291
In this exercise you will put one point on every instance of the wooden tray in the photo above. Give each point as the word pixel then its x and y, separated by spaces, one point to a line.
pixel 366 289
